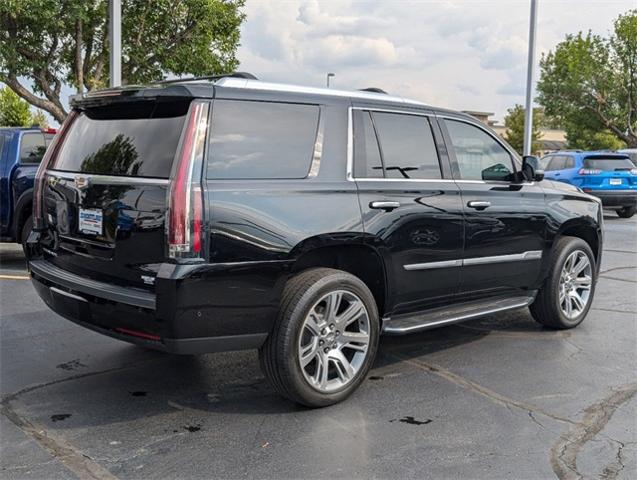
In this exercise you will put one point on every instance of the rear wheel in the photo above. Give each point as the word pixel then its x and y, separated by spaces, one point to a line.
pixel 566 296
pixel 26 230
pixel 626 212
pixel 325 339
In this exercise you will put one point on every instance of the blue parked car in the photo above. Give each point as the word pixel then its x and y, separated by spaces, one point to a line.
pixel 21 150
pixel 610 176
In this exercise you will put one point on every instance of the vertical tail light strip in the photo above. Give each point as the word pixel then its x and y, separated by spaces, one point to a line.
pixel 49 156
pixel 185 201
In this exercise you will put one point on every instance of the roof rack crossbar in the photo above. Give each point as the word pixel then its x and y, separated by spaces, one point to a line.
pixel 208 77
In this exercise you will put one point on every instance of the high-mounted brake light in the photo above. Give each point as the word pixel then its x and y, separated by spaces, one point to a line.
pixel 47 161
pixel 589 171
pixel 185 198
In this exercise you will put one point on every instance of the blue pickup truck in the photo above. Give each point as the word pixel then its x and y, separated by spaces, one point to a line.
pixel 21 150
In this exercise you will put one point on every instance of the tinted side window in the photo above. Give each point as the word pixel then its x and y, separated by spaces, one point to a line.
pixel 261 139
pixel 367 163
pixel 556 163
pixel 407 146
pixel 479 155
pixel 569 162
pixel 32 147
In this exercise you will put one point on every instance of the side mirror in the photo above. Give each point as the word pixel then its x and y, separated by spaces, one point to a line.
pixel 531 168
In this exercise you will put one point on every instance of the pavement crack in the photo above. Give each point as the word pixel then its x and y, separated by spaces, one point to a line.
pixel 564 452
pixel 481 390
pixel 617 279
pixel 6 399
pixel 616 268
pixel 73 459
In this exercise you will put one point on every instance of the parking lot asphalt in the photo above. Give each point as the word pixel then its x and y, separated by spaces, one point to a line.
pixel 499 397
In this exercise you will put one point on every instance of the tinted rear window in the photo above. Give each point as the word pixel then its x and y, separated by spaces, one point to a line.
pixel 252 140
pixel 608 164
pixel 138 140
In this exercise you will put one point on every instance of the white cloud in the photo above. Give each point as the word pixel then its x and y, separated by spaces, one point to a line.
pixel 457 54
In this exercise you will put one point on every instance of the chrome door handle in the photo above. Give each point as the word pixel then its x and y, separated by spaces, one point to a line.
pixel 478 205
pixel 384 205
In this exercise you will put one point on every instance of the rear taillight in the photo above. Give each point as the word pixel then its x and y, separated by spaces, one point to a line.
pixel 185 198
pixel 589 171
pixel 49 156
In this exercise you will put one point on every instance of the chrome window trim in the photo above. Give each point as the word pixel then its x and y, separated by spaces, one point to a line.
pixel 350 147
pixel 98 179
pixel 515 257
pixel 318 146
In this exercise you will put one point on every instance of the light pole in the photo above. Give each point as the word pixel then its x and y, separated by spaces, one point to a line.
pixel 329 75
pixel 528 112
pixel 115 41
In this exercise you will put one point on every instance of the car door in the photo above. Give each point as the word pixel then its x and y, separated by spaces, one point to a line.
pixel 411 207
pixel 505 219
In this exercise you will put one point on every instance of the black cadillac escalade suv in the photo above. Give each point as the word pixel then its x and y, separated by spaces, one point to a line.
pixel 227 213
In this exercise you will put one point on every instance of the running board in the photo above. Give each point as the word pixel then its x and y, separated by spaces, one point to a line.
pixel 452 314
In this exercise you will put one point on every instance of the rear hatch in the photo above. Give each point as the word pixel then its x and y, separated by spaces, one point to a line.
pixel 105 193
pixel 608 172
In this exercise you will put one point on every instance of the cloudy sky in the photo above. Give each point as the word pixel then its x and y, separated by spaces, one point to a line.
pixel 461 54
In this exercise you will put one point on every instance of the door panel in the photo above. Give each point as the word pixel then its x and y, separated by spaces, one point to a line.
pixel 504 243
pixel 413 214
pixel 425 229
pixel 505 219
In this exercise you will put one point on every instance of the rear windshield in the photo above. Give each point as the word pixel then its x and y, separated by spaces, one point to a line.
pixel 608 164
pixel 138 140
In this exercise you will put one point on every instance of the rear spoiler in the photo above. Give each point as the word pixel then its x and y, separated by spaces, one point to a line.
pixel 136 93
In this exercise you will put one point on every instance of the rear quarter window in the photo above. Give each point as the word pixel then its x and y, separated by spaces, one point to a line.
pixel 261 140
pixel 32 147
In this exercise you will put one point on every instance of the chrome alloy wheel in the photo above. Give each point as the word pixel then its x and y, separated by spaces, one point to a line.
pixel 334 341
pixel 576 281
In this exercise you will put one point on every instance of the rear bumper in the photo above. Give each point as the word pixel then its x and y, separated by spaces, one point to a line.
pixel 128 314
pixel 615 198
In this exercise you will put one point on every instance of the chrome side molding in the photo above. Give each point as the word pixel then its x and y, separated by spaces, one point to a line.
pixel 96 179
pixel 515 257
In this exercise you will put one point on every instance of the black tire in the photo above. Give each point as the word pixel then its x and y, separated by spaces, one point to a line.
pixel 26 230
pixel 279 356
pixel 626 212
pixel 546 308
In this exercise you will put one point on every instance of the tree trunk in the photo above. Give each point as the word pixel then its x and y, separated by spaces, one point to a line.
pixel 58 113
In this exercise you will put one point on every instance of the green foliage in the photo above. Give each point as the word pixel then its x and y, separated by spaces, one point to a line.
pixel 589 84
pixel 14 112
pixel 585 139
pixel 53 43
pixel 514 123
pixel 39 118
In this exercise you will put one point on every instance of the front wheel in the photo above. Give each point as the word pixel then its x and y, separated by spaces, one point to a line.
pixel 325 338
pixel 626 212
pixel 566 296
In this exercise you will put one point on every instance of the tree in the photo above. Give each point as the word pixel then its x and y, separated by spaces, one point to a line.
pixel 14 112
pixel 514 123
pixel 39 118
pixel 52 43
pixel 589 83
